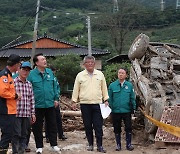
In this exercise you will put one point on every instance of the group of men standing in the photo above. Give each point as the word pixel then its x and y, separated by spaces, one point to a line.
pixel 22 100
pixel 37 97
pixel 90 90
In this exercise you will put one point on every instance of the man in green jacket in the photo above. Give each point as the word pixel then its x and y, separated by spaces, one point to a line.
pixel 60 131
pixel 121 96
pixel 46 99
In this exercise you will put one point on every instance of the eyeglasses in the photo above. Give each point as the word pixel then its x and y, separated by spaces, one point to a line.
pixel 90 62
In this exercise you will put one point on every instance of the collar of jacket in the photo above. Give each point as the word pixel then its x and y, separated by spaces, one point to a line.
pixel 7 71
pixel 86 72
pixel 45 71
pixel 19 80
pixel 118 83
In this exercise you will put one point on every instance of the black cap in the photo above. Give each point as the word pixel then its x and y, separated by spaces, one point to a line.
pixel 13 59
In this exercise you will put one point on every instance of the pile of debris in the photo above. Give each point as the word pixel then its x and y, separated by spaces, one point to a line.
pixel 155 74
pixel 71 119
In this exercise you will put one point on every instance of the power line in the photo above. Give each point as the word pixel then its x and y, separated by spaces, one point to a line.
pixel 7 36
pixel 79 13
pixel 103 13
pixel 65 23
pixel 141 26
pixel 139 13
pixel 23 26
pixel 11 42
pixel 18 36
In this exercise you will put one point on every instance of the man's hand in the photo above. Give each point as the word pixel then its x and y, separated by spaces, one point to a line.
pixel 106 103
pixel 56 103
pixel 74 106
pixel 19 97
pixel 33 119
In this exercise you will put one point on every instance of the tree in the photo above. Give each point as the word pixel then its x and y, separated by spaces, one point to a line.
pixel 119 24
pixel 110 71
pixel 67 68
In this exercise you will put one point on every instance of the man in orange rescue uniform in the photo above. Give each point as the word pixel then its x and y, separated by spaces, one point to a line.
pixel 8 99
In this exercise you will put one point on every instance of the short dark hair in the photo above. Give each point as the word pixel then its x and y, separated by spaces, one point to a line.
pixel 13 59
pixel 35 59
pixel 10 63
pixel 124 68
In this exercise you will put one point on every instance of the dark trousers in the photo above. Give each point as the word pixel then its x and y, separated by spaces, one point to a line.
pixel 20 132
pixel 117 122
pixel 6 125
pixel 92 119
pixel 28 133
pixel 58 122
pixel 49 114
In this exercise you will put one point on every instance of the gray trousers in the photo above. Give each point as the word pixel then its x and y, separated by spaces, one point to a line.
pixel 6 125
pixel 20 132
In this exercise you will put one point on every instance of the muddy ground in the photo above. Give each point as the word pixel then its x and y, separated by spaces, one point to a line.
pixel 76 144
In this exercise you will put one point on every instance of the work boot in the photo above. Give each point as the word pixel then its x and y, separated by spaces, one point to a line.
pixel 118 142
pixel 15 147
pixel 90 148
pixel 90 140
pixel 99 145
pixel 63 137
pixel 128 142
pixel 99 141
pixel 101 149
pixel 39 150
pixel 55 148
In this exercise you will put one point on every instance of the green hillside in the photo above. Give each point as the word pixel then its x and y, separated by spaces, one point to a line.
pixel 66 20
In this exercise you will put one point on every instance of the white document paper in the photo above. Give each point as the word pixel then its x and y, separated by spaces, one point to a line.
pixel 105 111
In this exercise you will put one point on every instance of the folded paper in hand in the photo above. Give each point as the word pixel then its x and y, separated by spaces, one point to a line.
pixel 105 110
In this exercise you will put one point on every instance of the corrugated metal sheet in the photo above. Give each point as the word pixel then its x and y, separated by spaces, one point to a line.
pixel 54 48
pixel 171 116
pixel 51 52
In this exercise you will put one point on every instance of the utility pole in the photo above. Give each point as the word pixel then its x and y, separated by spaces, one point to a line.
pixel 162 5
pixel 35 32
pixel 89 36
pixel 177 4
pixel 115 8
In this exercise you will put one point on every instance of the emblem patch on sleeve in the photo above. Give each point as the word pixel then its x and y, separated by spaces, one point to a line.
pixel 5 80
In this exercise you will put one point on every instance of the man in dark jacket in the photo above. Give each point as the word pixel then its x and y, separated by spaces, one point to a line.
pixel 121 94
pixel 8 99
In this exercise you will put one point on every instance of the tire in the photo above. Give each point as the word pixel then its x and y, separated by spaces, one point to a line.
pixel 154 108
pixel 138 47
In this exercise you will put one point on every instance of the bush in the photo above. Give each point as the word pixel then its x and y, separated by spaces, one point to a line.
pixel 110 71
pixel 67 68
